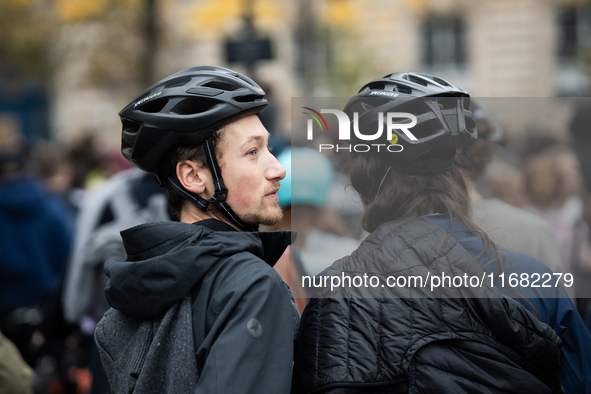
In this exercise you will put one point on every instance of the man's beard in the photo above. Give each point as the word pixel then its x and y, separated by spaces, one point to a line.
pixel 266 216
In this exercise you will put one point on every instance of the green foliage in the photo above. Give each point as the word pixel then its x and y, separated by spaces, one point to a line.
pixel 26 32
pixel 350 62
pixel 107 37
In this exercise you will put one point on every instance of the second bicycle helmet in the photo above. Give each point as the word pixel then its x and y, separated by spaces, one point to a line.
pixel 442 110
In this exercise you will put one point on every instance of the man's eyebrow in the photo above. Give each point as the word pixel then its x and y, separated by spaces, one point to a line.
pixel 255 138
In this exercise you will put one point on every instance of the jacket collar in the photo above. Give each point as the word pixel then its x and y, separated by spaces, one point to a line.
pixel 273 243
pixel 153 239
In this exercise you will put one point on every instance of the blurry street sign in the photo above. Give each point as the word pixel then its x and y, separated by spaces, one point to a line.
pixel 248 50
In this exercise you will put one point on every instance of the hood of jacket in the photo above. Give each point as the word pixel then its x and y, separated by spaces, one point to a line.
pixel 166 259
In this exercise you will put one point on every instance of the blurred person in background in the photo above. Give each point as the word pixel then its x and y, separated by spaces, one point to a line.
pixel 92 165
pixel 322 238
pixel 99 220
pixel 85 156
pixel 508 226
pixel 579 129
pixel 35 237
pixel 418 214
pixel 52 163
pixel 553 182
pixel 504 181
pixel 129 198
pixel 197 306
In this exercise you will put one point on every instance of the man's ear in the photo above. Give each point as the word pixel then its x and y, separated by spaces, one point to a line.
pixel 193 177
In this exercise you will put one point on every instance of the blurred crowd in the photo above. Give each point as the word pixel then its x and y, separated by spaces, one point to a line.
pixel 43 188
pixel 62 207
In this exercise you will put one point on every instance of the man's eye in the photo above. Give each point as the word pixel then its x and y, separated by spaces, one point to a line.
pixel 252 152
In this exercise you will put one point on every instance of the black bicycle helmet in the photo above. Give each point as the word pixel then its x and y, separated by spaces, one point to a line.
pixel 186 108
pixel 444 120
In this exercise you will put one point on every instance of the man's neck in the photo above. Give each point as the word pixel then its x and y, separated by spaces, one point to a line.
pixel 191 214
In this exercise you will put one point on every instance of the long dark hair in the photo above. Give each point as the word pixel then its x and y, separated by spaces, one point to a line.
pixel 387 195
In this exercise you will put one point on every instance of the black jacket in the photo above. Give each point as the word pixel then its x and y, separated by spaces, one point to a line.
pixel 242 315
pixel 473 342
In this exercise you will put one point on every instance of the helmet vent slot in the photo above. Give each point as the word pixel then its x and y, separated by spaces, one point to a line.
pixel 227 86
pixel 416 80
pixel 441 81
pixel 130 127
pixel 154 106
pixel 193 106
pixel 376 86
pixel 403 89
pixel 179 83
pixel 249 98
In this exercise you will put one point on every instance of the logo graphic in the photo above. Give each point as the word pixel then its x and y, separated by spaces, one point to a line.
pixel 401 121
pixel 316 119
pixel 383 93
pixel 147 98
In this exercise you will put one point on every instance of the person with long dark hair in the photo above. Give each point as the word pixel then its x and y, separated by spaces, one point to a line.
pixel 498 334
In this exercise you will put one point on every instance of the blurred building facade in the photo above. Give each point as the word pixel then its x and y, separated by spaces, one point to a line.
pixel 501 48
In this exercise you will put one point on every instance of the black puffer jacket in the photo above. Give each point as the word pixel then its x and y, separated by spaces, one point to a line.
pixel 479 342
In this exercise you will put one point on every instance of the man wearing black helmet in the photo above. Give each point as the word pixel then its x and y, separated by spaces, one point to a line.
pixel 197 306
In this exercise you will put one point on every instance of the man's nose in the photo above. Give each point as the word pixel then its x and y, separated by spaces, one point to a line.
pixel 275 170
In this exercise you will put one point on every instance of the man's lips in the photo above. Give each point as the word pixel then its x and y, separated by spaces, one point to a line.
pixel 272 193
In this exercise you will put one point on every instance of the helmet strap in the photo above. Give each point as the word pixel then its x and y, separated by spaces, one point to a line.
pixel 218 200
